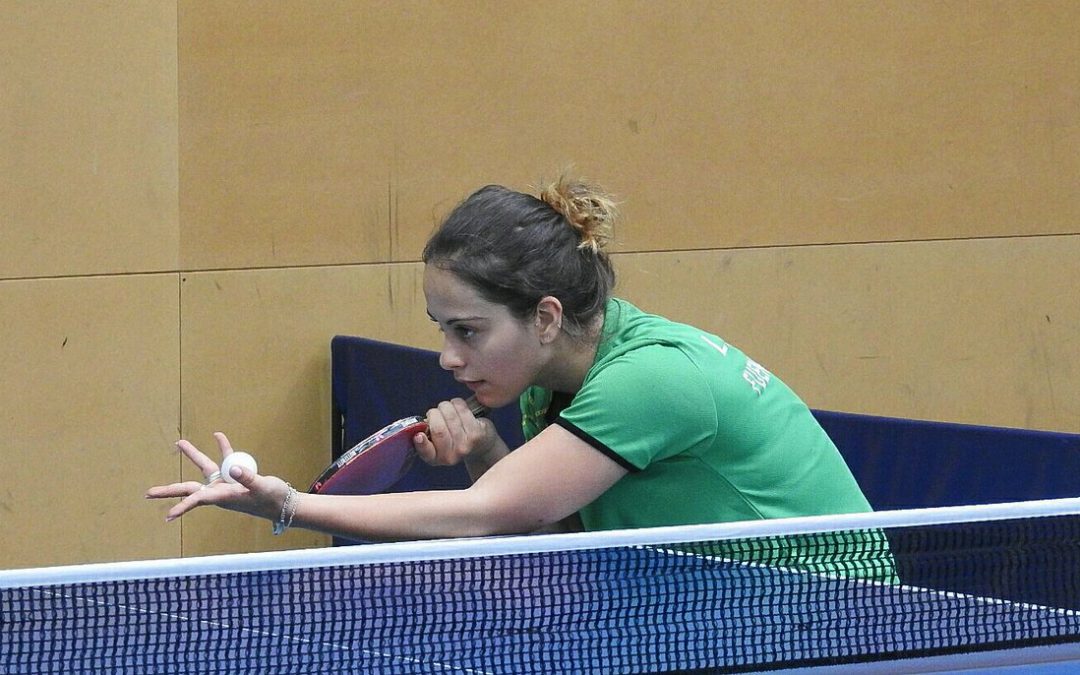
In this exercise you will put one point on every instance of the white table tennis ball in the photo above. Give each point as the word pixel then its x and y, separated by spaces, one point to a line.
pixel 237 459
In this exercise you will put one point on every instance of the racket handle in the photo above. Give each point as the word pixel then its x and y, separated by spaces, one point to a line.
pixel 477 408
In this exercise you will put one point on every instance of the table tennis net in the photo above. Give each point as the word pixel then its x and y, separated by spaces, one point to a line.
pixel 718 598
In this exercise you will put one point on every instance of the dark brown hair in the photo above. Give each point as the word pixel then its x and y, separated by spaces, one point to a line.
pixel 515 248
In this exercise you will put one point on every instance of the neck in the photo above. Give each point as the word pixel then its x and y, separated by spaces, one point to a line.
pixel 571 359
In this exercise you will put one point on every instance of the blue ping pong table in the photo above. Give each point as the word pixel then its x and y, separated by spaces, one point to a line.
pixel 563 612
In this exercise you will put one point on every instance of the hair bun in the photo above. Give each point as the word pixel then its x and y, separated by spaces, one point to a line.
pixel 587 207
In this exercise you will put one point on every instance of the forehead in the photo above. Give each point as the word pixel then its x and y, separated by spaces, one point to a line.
pixel 448 297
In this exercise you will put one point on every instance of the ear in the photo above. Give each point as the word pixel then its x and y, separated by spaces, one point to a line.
pixel 549 318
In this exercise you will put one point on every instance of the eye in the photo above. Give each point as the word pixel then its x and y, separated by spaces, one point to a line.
pixel 464 332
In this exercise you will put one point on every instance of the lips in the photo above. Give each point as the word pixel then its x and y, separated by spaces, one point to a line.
pixel 472 384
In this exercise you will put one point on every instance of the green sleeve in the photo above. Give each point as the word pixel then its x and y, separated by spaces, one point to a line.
pixel 648 404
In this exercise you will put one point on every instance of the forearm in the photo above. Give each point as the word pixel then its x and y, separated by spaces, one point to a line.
pixel 392 517
pixel 478 466
pixel 497 503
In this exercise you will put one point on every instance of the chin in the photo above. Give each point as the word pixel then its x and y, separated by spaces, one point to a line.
pixel 493 400
pixel 486 400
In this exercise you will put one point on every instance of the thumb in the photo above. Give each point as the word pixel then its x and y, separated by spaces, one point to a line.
pixel 243 475
pixel 424 447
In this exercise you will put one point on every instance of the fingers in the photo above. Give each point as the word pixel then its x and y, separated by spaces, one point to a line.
pixel 236 496
pixel 251 494
pixel 453 432
pixel 445 435
pixel 187 490
pixel 223 444
pixel 182 507
pixel 218 493
pixel 206 465
pixel 173 490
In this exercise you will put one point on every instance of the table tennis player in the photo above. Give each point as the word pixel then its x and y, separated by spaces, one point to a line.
pixel 630 419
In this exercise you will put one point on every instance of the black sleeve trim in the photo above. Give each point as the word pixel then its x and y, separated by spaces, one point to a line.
pixel 616 457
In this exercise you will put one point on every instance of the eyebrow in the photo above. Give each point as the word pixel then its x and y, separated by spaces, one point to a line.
pixel 460 319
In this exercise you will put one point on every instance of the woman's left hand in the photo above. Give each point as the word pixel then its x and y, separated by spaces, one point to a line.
pixel 253 494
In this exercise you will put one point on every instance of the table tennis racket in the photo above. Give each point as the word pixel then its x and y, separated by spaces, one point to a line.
pixel 374 464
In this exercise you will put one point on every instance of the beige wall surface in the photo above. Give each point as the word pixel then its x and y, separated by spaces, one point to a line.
pixel 877 200
pixel 88 140
pixel 90 401
pixel 329 132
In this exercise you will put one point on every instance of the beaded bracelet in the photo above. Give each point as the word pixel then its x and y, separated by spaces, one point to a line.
pixel 288 511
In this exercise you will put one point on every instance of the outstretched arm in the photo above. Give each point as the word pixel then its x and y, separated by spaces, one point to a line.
pixel 546 479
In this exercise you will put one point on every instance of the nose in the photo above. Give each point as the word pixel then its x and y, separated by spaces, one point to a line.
pixel 449 359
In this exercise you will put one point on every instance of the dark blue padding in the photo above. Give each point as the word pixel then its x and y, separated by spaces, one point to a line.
pixel 900 463
pixel 905 463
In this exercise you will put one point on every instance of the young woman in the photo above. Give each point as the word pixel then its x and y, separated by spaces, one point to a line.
pixel 630 420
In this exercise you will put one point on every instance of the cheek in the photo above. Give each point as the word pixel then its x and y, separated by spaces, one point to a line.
pixel 506 361
pixel 511 360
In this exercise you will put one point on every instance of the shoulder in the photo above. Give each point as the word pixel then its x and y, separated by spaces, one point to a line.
pixel 647 383
pixel 648 343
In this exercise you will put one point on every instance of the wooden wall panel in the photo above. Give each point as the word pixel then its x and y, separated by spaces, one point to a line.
pixel 982 332
pixel 88 141
pixel 90 408
pixel 256 362
pixel 336 132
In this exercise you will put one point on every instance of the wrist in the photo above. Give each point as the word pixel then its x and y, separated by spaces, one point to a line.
pixel 288 510
pixel 477 463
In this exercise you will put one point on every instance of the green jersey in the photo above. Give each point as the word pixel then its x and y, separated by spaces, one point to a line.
pixel 706 434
